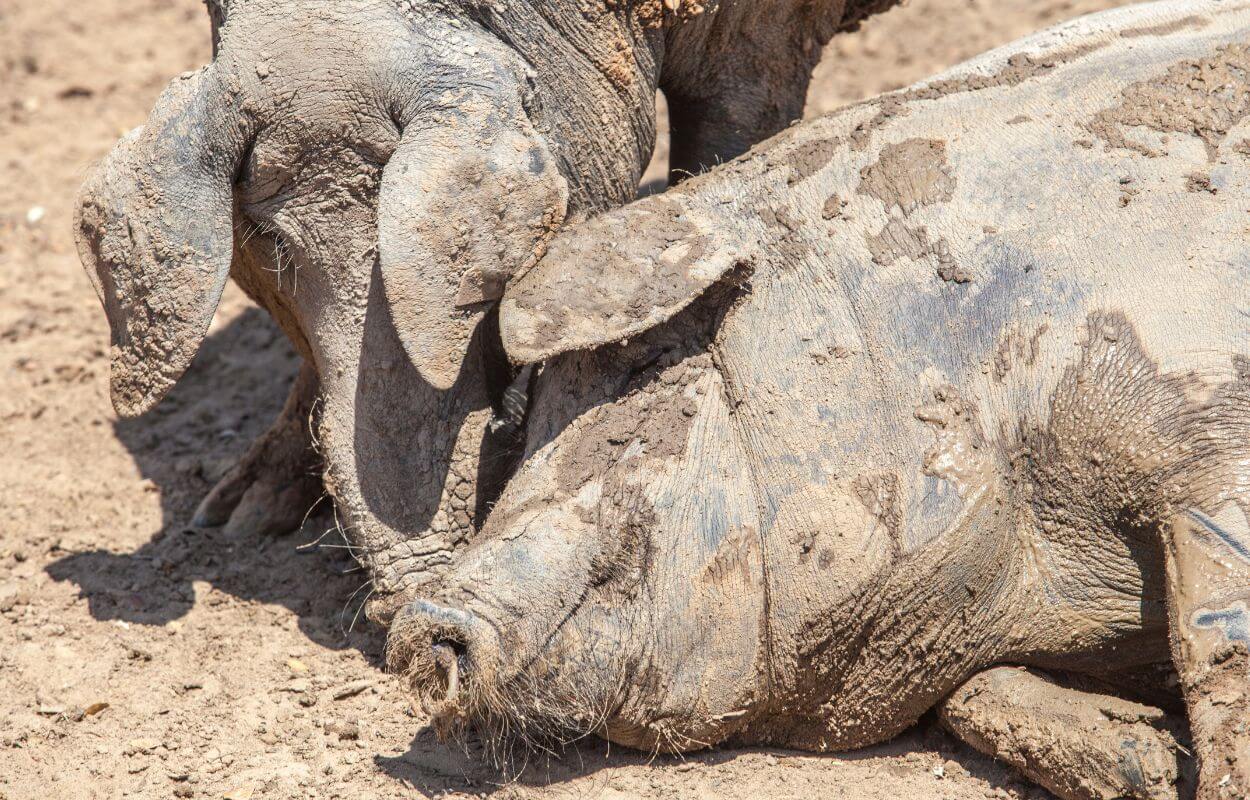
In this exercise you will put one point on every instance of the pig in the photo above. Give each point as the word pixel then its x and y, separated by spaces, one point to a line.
pixel 372 172
pixel 938 402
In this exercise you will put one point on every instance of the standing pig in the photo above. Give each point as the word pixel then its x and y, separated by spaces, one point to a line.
pixel 372 172
pixel 934 392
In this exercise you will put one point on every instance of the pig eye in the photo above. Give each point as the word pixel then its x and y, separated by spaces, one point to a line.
pixel 264 173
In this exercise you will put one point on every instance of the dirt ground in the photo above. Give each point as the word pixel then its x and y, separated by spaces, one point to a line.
pixel 140 658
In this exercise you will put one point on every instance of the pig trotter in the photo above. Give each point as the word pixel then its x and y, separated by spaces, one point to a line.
pixel 1080 746
pixel 278 480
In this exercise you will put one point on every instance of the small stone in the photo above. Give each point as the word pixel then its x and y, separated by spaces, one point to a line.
pixel 34 214
pixel 351 689
pixel 345 731
pixel 12 595
pixel 142 745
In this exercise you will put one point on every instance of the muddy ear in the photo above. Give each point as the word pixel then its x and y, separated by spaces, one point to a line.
pixel 615 277
pixel 154 227
pixel 468 199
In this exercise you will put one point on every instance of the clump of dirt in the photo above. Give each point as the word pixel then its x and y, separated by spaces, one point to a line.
pixel 906 176
pixel 909 174
pixel 1205 97
pixel 654 13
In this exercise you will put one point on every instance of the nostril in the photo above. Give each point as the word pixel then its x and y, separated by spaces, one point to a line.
pixel 438 647
pixel 447 648
pixel 448 656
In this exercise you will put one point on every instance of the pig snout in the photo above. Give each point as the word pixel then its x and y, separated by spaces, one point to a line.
pixel 443 652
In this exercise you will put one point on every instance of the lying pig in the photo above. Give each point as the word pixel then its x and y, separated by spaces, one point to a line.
pixel 935 392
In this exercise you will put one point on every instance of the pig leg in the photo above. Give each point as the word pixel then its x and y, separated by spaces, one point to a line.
pixel 744 91
pixel 1208 585
pixel 278 480
pixel 1079 745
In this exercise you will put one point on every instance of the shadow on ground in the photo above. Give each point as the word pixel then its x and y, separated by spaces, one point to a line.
pixel 432 767
pixel 230 395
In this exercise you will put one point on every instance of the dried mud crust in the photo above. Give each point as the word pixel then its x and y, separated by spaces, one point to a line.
pixel 1204 97
pixel 224 661
pixel 907 176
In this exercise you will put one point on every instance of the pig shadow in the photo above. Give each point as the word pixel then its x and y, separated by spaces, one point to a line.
pixel 230 395
pixel 434 768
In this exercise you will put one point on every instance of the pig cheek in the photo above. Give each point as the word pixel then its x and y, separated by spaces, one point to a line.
pixel 596 650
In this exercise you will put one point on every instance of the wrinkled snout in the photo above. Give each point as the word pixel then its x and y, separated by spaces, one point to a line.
pixel 446 653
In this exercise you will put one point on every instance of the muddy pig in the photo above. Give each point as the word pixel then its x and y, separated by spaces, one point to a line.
pixel 372 172
pixel 941 401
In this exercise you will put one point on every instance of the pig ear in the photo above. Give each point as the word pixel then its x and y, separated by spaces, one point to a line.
pixel 614 277
pixel 154 226
pixel 467 200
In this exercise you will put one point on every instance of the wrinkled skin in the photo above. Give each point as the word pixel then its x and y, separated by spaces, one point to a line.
pixel 921 424
pixel 373 172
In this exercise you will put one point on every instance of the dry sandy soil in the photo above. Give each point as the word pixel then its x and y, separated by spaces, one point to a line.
pixel 140 658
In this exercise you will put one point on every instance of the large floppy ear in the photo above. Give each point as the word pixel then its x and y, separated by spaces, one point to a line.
pixel 616 276
pixel 154 226
pixel 469 198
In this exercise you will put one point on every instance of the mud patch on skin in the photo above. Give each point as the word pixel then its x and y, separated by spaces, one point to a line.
pixel 1199 182
pixel 810 157
pixel 736 560
pixel 879 495
pixel 1205 97
pixel 910 174
pixel 907 176
pixel 833 208
pixel 1016 348
pixel 656 413
pixel 959 455
pixel 899 240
